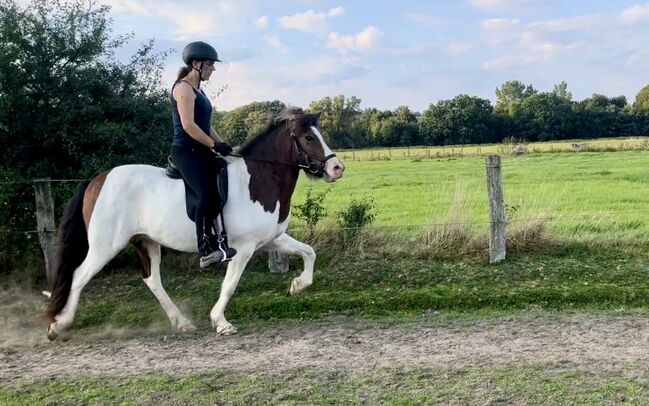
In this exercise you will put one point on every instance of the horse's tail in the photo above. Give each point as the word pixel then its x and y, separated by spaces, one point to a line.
pixel 72 250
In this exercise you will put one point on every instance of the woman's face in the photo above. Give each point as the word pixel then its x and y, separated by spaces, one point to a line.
pixel 208 68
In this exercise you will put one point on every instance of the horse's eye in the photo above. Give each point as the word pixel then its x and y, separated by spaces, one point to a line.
pixel 309 138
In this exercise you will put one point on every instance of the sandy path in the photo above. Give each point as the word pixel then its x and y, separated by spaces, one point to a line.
pixel 346 344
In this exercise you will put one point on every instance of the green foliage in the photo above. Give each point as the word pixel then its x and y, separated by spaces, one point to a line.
pixel 561 90
pixel 244 123
pixel 338 120
pixel 547 116
pixel 641 104
pixel 68 109
pixel 510 95
pixel 462 120
pixel 312 210
pixel 357 215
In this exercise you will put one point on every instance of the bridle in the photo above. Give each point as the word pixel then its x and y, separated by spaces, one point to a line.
pixel 304 161
pixel 314 166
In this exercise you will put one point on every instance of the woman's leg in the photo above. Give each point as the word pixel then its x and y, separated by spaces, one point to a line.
pixel 199 172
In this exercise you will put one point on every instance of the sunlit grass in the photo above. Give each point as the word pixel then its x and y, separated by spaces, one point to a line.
pixel 590 195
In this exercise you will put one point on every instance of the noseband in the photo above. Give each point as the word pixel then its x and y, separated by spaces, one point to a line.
pixel 314 166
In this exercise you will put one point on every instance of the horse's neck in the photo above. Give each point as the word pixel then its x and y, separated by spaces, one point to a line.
pixel 272 177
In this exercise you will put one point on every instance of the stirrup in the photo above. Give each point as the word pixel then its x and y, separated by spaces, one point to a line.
pixel 222 254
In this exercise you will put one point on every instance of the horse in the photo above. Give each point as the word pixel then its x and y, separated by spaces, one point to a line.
pixel 140 205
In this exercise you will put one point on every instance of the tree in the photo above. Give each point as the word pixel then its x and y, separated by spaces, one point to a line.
pixel 243 123
pixel 546 116
pixel 601 116
pixel 338 120
pixel 561 90
pixel 641 104
pixel 510 95
pixel 68 109
pixel 461 120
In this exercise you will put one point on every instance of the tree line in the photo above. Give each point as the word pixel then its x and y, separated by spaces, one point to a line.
pixel 520 112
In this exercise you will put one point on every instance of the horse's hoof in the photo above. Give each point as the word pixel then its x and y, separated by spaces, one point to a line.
pixel 51 332
pixel 297 287
pixel 187 328
pixel 226 330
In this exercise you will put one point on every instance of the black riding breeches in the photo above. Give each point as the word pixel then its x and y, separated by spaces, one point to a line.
pixel 199 169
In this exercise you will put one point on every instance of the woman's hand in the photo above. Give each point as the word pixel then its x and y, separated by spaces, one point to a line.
pixel 222 148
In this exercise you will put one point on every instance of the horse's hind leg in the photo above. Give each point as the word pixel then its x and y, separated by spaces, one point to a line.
pixel 289 245
pixel 97 257
pixel 149 252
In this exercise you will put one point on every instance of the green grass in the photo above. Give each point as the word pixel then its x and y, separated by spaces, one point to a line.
pixel 534 385
pixel 592 196
pixel 371 285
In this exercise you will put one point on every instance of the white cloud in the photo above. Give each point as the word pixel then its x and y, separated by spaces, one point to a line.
pixel 424 19
pixel 501 63
pixel 456 48
pixel 311 21
pixel 639 58
pixel 297 84
pixel 276 43
pixel 635 14
pixel 207 18
pixel 494 6
pixel 570 24
pixel 365 41
pixel 501 23
pixel 262 22
pixel 411 50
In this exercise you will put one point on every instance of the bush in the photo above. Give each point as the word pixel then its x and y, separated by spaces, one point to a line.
pixel 356 216
pixel 312 210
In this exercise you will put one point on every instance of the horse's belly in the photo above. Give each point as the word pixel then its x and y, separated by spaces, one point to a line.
pixel 249 223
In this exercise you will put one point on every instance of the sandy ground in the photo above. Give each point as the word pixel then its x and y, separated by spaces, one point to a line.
pixel 590 341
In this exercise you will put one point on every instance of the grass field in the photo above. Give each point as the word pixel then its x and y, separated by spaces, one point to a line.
pixel 585 195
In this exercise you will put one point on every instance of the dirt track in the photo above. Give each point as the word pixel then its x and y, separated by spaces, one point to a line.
pixel 583 340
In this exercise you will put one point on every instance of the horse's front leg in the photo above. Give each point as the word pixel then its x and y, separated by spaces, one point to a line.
pixel 289 245
pixel 232 276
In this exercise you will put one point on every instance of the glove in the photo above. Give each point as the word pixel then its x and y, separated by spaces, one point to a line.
pixel 222 148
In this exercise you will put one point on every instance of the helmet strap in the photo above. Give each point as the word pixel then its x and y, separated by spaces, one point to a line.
pixel 200 73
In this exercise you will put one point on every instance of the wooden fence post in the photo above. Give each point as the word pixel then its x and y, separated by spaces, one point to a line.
pixel 277 262
pixel 496 210
pixel 46 225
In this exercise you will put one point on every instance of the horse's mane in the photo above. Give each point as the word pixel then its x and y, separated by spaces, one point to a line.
pixel 294 114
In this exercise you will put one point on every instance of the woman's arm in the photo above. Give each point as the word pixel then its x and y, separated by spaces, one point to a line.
pixel 215 136
pixel 185 99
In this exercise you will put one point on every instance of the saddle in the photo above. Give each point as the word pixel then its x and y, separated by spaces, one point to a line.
pixel 191 200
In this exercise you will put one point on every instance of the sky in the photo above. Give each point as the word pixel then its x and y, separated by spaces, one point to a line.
pixel 393 53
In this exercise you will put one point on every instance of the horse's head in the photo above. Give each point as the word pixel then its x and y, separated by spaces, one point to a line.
pixel 311 151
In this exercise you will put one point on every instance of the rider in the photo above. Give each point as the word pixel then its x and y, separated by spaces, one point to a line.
pixel 197 149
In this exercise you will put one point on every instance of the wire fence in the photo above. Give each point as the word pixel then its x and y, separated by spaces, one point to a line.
pixel 610 214
pixel 475 169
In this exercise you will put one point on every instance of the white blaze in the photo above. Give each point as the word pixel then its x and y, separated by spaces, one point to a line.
pixel 331 163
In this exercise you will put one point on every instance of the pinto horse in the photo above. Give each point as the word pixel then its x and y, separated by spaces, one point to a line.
pixel 138 204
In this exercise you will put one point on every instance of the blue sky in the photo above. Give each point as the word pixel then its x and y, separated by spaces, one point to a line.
pixel 392 53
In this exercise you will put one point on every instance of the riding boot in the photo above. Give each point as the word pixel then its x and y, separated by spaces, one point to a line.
pixel 214 246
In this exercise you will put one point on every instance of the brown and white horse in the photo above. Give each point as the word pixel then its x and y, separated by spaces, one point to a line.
pixel 140 205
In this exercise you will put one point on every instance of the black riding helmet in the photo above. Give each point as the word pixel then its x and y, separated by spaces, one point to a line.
pixel 199 51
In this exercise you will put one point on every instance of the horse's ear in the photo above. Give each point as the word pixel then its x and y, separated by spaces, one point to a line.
pixel 315 118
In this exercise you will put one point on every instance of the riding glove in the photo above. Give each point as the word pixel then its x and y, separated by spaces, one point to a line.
pixel 222 148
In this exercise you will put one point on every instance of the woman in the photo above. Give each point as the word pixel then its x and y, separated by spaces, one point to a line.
pixel 197 149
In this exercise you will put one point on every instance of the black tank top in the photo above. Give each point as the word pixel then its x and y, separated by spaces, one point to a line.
pixel 202 118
